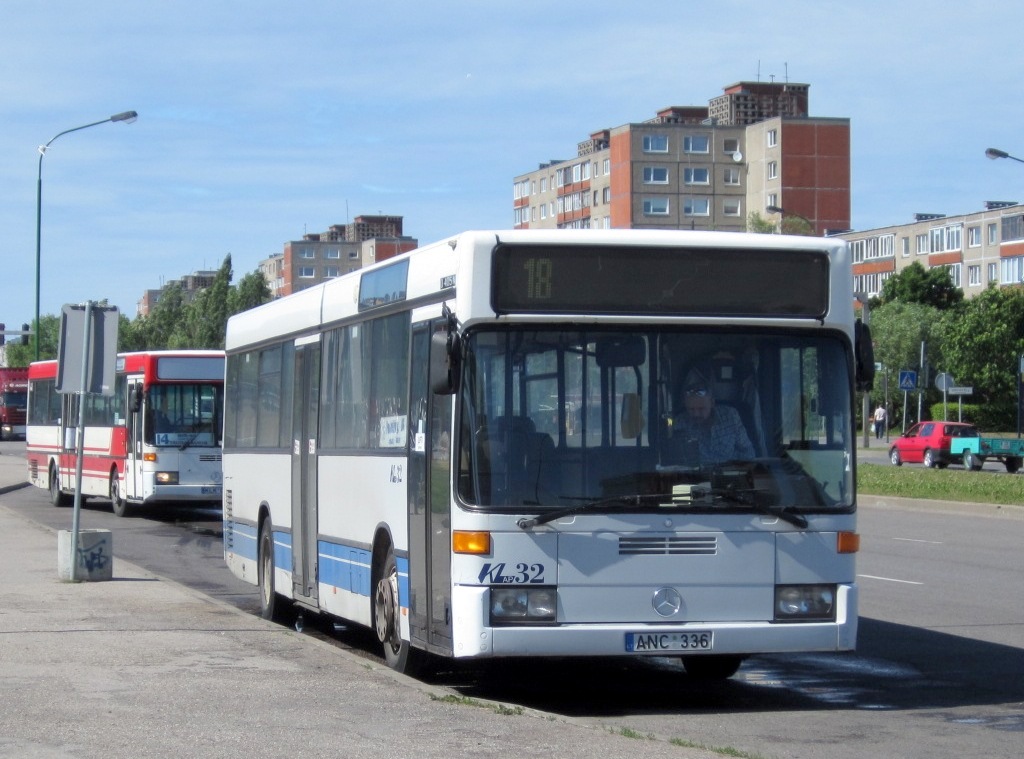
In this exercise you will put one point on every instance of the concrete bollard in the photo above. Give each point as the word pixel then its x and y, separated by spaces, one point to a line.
pixel 94 553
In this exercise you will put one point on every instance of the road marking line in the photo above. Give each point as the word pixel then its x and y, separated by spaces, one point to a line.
pixel 890 579
pixel 918 540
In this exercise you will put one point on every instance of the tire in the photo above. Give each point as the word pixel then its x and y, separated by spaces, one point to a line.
pixel 386 615
pixel 929 458
pixel 117 501
pixel 894 457
pixel 57 498
pixel 1012 464
pixel 719 667
pixel 973 461
pixel 271 604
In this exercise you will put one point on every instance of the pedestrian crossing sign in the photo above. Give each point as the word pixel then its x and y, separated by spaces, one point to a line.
pixel 908 379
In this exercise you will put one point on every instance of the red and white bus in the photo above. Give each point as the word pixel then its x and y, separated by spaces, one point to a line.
pixel 156 439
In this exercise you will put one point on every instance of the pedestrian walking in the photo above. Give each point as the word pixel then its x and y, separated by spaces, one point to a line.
pixel 879 417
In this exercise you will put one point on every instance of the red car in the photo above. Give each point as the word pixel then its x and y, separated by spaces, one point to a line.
pixel 928 443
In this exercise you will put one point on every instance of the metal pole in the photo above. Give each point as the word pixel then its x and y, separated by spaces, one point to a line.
pixel 127 117
pixel 80 439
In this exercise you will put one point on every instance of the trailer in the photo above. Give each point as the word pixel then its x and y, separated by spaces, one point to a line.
pixel 976 450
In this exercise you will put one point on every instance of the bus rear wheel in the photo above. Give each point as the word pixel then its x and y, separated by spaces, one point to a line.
pixel 271 605
pixel 386 615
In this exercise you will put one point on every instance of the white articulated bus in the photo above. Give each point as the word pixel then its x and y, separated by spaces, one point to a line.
pixel 483 448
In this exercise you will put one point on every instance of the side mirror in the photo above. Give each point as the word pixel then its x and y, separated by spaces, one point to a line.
pixel 864 353
pixel 445 352
pixel 136 398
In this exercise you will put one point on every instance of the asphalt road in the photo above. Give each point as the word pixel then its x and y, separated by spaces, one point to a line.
pixel 939 669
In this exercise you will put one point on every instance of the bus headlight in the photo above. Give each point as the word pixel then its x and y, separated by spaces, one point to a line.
pixel 805 603
pixel 523 606
pixel 167 478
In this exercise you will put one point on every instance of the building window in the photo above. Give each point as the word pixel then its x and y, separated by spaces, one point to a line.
pixel 993 235
pixel 974 275
pixel 655 143
pixel 607 166
pixel 543 211
pixel 905 246
pixel 954 274
pixel 973 237
pixel 938 240
pixel 857 250
pixel 773 199
pixel 731 176
pixel 655 206
pixel 922 244
pixel 353 254
pixel 606 195
pixel 773 170
pixel 655 175
pixel 1012 270
pixel 696 143
pixel 696 207
pixel 332 253
pixel 307 253
pixel 696 176
pixel 307 272
pixel 731 207
pixel 1013 229
pixel 730 146
pixel 954 237
pixel 772 137
pixel 331 271
pixel 993 273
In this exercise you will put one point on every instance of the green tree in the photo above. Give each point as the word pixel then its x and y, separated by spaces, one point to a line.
pixel 982 343
pixel 915 284
pixel 759 224
pixel 251 291
pixel 897 331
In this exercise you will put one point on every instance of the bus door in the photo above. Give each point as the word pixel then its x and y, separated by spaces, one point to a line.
pixel 305 412
pixel 429 502
pixel 135 404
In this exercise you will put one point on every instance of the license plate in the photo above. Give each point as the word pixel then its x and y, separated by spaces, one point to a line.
pixel 209 490
pixel 669 641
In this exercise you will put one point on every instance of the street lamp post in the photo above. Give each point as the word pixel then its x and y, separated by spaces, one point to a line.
pixel 995 153
pixel 784 213
pixel 127 117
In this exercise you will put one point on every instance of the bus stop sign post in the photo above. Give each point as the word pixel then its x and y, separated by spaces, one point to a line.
pixel 96 361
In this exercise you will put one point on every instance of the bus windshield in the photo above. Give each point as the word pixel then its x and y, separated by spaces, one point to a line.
pixel 663 418
pixel 184 415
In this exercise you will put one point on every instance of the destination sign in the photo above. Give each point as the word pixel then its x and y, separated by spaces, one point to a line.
pixel 660 280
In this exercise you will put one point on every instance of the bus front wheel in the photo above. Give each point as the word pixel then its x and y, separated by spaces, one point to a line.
pixel 386 615
pixel 117 501
pixel 57 498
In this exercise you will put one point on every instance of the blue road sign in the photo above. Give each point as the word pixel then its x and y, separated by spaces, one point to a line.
pixel 908 379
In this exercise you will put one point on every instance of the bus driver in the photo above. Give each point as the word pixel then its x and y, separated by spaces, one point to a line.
pixel 708 434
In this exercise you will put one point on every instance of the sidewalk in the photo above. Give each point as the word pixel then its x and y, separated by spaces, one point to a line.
pixel 140 666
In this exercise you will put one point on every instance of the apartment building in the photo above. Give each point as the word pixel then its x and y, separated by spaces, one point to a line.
pixel 341 249
pixel 977 249
pixel 190 284
pixel 699 167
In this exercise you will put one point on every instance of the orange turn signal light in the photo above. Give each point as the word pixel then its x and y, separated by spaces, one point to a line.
pixel 471 542
pixel 847 542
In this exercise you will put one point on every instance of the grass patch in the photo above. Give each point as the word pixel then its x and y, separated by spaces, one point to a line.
pixel 714 749
pixel 628 732
pixel 502 709
pixel 940 484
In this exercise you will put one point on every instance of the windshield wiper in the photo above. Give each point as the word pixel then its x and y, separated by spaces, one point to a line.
pixel 620 500
pixel 787 514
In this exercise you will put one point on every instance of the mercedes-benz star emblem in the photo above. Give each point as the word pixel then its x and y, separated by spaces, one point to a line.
pixel 667 601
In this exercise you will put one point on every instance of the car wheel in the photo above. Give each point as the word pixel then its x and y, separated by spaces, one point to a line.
pixel 1012 464
pixel 929 458
pixel 894 457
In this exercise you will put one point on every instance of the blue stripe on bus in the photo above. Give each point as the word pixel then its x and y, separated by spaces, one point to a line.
pixel 340 566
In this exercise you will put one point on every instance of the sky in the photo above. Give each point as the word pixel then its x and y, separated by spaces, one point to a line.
pixel 261 121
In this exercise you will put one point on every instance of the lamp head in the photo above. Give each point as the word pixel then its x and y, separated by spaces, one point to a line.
pixel 127 117
pixel 774 209
pixel 995 153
